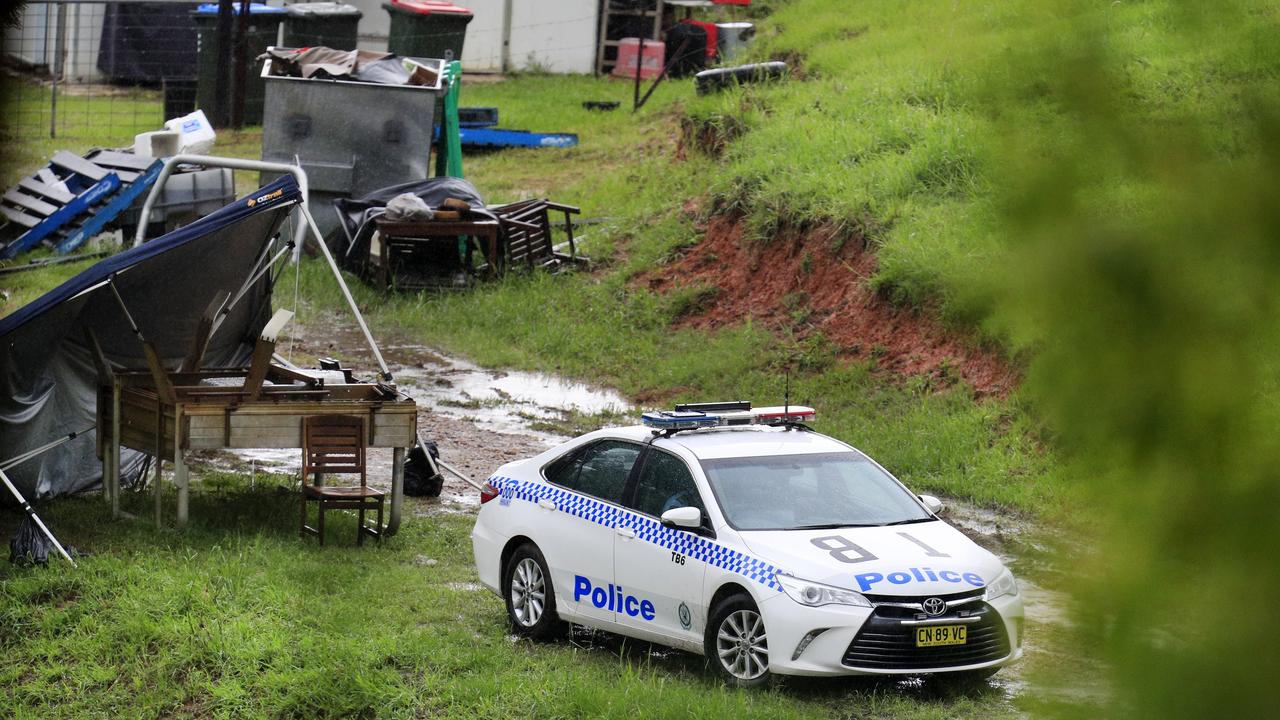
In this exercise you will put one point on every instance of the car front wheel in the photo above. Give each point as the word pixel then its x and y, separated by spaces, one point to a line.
pixel 531 601
pixel 736 642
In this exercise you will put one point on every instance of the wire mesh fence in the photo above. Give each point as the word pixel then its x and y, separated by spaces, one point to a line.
pixel 88 69
pixel 95 69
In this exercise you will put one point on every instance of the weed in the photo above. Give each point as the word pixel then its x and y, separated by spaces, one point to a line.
pixel 690 300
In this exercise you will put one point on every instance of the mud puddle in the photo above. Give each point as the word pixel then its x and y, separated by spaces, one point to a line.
pixel 479 418
pixel 482 419
pixel 507 401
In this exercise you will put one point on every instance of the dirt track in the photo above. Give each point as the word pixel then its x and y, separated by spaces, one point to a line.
pixel 480 420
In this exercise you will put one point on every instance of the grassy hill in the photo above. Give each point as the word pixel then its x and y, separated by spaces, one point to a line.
pixel 1076 195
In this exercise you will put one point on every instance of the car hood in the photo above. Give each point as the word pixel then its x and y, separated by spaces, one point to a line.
pixel 928 558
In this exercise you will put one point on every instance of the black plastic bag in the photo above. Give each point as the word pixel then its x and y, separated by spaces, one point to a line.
pixel 29 546
pixel 419 481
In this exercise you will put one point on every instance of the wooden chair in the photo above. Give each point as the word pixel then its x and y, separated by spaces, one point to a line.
pixel 334 444
pixel 528 230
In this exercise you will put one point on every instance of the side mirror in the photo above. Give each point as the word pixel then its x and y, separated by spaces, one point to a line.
pixel 932 504
pixel 685 518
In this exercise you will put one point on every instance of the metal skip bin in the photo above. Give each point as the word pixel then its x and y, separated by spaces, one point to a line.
pixel 350 137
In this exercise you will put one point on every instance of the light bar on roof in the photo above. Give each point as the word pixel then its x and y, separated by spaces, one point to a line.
pixel 679 420
pixel 789 413
pixel 694 419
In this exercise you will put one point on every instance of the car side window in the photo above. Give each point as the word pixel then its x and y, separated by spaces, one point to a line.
pixel 665 483
pixel 600 469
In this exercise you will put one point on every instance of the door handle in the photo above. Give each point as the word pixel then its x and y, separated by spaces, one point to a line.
pixel 626 532
pixel 546 504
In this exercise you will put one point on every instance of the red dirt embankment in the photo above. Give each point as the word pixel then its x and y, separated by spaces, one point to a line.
pixel 800 280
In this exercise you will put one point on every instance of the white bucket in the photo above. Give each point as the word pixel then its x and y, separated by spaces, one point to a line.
pixel 195 134
pixel 156 144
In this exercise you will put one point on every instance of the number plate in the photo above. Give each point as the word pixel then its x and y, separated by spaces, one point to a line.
pixel 935 635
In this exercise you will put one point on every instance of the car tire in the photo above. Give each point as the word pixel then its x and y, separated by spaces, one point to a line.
pixel 736 643
pixel 531 599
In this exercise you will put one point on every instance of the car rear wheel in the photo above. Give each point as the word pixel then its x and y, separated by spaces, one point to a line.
pixel 531 601
pixel 736 642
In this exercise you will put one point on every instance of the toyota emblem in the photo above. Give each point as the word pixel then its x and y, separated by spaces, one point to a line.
pixel 934 606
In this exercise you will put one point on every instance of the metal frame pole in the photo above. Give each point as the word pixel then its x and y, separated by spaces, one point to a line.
pixel 301 176
pixel 26 506
pixel 18 459
pixel 59 65
pixel 506 35
pixel 220 162
pixel 346 293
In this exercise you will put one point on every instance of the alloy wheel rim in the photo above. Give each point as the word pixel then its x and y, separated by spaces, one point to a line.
pixel 528 592
pixel 742 646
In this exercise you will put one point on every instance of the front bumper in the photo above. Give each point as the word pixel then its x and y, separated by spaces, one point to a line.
pixel 885 638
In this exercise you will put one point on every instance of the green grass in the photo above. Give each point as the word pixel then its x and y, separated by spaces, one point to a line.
pixel 236 617
pixel 901 129
pixel 109 117
pixel 599 327
pixel 593 328
pixel 99 116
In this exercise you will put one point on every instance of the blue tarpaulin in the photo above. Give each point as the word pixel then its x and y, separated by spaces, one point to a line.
pixel 48 380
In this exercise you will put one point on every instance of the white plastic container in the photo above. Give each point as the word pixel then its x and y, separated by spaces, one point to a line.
pixel 156 144
pixel 196 135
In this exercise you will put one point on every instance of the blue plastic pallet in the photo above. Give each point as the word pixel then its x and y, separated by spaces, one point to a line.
pixel 74 198
pixel 497 137
pixel 118 203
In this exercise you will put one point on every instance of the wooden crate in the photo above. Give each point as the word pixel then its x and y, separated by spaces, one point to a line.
pixel 279 425
pixel 230 422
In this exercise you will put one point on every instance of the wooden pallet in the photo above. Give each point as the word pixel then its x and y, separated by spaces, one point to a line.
pixel 72 199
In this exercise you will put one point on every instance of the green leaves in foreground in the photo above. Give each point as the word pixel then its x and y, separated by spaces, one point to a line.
pixel 1148 276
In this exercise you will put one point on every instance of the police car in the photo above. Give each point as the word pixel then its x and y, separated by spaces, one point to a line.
pixel 743 535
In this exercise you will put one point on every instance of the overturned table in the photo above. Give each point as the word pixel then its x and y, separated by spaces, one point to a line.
pixel 167 414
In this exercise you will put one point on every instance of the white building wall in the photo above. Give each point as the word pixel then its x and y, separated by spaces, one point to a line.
pixel 482 50
pixel 34 39
pixel 556 36
pixel 553 35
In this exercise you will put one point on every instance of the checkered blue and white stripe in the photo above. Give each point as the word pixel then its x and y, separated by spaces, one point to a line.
pixel 647 529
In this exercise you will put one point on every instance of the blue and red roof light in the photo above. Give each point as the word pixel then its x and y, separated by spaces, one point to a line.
pixel 685 417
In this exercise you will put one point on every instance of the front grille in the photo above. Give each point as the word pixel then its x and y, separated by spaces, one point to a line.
pixel 949 597
pixel 884 643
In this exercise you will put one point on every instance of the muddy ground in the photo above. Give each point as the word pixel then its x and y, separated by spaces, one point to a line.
pixel 817 280
pixel 481 419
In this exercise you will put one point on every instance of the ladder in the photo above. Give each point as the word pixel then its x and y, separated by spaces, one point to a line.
pixel 72 199
pixel 607 48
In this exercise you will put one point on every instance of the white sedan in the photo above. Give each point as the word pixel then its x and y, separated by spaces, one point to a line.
pixel 745 536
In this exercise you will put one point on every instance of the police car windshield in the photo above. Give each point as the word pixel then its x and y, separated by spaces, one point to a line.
pixel 791 492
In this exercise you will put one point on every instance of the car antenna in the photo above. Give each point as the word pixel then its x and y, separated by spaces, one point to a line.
pixel 787 421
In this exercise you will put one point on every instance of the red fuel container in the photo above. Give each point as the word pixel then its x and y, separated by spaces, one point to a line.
pixel 655 52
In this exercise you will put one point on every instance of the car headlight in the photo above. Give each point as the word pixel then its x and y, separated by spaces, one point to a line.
pixel 1001 586
pixel 814 594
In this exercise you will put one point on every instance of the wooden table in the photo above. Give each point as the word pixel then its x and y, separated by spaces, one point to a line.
pixel 200 416
pixel 393 232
